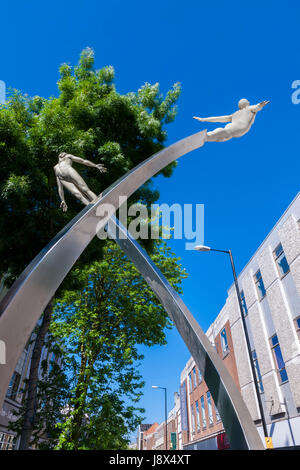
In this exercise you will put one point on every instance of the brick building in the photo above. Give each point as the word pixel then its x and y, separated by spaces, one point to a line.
pixel 149 437
pixel 202 427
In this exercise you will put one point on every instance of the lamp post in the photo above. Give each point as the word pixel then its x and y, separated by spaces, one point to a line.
pixel 208 248
pixel 166 416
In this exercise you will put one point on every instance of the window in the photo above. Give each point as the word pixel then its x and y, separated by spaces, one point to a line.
pixel 244 305
pixel 7 441
pixel 257 371
pixel 2 440
pixel 13 386
pixel 279 359
pixel 193 419
pixel 10 442
pixel 190 382
pixel 224 342
pixel 209 406
pixel 218 417
pixel 259 285
pixel 199 376
pixel 297 325
pixel 195 377
pixel 280 259
pixel 198 416
pixel 203 412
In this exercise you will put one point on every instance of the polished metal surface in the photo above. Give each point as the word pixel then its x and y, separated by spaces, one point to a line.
pixel 25 301
pixel 235 416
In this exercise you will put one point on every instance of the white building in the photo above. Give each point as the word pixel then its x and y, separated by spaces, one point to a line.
pixel 270 290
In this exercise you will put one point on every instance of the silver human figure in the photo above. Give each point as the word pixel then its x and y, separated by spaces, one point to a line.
pixel 240 121
pixel 67 177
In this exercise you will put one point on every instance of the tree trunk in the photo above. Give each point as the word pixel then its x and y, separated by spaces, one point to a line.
pixel 80 399
pixel 31 398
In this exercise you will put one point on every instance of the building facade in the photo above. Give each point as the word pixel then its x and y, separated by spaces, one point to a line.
pixel 15 394
pixel 202 427
pixel 149 437
pixel 270 291
pixel 153 436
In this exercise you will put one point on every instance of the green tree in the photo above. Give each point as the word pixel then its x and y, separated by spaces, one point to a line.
pixel 51 400
pixel 89 118
pixel 100 328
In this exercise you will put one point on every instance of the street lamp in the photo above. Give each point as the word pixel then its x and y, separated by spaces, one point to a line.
pixel 166 416
pixel 208 248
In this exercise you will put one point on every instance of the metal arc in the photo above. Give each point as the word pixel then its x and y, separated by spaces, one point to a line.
pixel 241 431
pixel 26 300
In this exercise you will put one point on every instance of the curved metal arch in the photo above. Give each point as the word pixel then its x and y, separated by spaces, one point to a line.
pixel 234 413
pixel 26 300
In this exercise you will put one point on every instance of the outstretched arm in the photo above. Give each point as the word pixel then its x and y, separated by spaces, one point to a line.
pixel 215 119
pixel 99 166
pixel 257 107
pixel 63 205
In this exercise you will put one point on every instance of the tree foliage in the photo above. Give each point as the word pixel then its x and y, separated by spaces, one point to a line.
pixel 100 328
pixel 90 119
pixel 52 398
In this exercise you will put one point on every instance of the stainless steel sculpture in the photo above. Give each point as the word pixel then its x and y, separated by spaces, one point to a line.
pixel 24 303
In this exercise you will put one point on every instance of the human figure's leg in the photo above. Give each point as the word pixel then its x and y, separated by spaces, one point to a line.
pixel 219 135
pixel 87 192
pixel 81 185
pixel 75 191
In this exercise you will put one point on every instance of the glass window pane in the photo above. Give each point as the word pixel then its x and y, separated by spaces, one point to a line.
pixel 283 375
pixel 283 264
pixel 198 416
pixel 203 412
pixel 257 275
pixel 209 406
pixel 260 285
pixel 193 418
pixel 195 377
pixel 278 250
pixel 190 382
pixel 261 288
pixel 218 417
pixel 279 358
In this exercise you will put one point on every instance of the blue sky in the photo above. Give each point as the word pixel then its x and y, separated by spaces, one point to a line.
pixel 220 52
